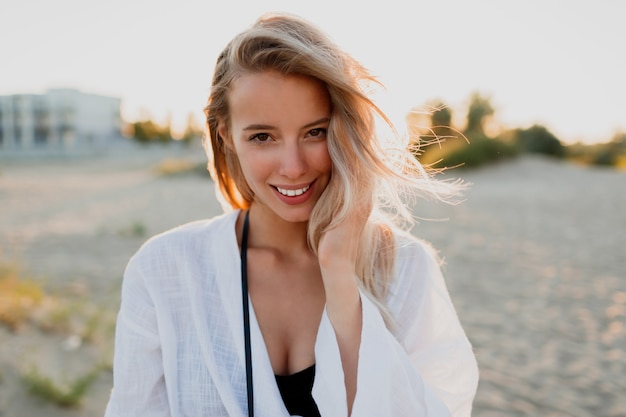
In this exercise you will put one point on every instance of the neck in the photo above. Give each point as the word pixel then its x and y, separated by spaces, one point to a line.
pixel 267 230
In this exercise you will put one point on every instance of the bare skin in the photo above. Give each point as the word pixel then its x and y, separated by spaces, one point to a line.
pixel 287 292
pixel 278 128
pixel 289 288
pixel 337 258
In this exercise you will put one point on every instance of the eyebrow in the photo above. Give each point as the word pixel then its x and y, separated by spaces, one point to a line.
pixel 270 127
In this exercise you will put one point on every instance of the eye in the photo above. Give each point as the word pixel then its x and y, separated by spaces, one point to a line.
pixel 317 132
pixel 260 137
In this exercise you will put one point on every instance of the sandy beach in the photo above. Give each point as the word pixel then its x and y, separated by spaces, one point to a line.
pixel 534 260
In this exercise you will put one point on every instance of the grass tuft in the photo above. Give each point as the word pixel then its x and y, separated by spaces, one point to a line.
pixel 64 395
pixel 18 297
pixel 135 229
pixel 175 166
pixel 23 301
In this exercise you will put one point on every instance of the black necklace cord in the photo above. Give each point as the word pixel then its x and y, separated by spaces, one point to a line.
pixel 246 313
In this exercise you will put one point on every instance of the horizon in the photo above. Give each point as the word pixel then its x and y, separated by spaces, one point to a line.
pixel 539 63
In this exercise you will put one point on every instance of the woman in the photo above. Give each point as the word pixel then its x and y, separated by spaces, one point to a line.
pixel 347 314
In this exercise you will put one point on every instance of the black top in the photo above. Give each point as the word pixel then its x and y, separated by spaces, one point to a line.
pixel 296 392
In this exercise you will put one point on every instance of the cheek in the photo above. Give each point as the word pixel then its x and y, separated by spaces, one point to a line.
pixel 254 166
pixel 322 159
pixel 327 164
pixel 247 167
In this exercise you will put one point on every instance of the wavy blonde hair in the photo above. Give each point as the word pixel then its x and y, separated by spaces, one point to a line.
pixel 363 174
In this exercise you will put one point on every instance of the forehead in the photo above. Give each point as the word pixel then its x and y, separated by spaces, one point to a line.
pixel 275 99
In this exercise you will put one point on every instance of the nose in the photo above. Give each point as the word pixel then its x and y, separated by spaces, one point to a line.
pixel 292 160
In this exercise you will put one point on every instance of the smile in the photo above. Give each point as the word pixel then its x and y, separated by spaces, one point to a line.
pixel 293 193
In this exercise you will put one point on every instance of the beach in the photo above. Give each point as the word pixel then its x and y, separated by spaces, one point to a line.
pixel 534 260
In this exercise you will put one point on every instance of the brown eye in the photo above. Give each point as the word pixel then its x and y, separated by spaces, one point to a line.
pixel 317 132
pixel 260 137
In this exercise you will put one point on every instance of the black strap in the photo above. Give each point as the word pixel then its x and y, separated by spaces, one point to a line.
pixel 246 313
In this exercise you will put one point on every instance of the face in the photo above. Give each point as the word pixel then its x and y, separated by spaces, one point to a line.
pixel 279 127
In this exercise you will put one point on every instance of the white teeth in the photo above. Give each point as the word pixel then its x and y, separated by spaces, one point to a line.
pixel 293 193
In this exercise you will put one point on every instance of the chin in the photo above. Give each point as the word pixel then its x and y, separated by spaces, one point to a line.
pixel 285 213
pixel 293 214
pixel 296 217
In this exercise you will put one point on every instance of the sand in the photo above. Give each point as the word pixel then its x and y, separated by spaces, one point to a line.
pixel 535 264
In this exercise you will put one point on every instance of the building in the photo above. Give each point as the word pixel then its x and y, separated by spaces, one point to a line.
pixel 58 121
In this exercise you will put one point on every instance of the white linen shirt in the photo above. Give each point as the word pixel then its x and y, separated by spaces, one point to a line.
pixel 179 348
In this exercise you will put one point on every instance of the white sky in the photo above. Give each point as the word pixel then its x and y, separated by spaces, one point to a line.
pixel 562 64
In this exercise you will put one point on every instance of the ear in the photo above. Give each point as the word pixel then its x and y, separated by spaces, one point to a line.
pixel 222 130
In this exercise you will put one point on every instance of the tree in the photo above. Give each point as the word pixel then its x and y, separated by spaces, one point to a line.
pixel 618 142
pixel 192 130
pixel 441 117
pixel 538 139
pixel 428 123
pixel 610 153
pixel 147 131
pixel 535 139
pixel 479 110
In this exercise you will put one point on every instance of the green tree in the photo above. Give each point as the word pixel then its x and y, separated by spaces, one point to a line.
pixel 147 131
pixel 619 141
pixel 538 139
pixel 192 130
pixel 441 116
pixel 479 110
pixel 609 154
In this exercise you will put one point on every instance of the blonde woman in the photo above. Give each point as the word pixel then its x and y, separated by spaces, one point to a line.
pixel 306 297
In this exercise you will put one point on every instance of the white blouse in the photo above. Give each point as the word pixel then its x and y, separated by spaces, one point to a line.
pixel 179 348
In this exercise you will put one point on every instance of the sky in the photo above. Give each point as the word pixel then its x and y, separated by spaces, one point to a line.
pixel 560 64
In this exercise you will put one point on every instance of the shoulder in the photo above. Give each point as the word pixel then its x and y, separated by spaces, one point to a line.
pixel 190 233
pixel 187 240
pixel 414 254
pixel 417 276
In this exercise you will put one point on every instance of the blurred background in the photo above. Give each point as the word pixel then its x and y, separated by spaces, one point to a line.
pixel 100 148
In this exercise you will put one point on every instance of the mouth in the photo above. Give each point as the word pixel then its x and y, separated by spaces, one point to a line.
pixel 293 192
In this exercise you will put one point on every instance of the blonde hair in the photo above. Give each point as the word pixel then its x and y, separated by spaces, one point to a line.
pixel 363 174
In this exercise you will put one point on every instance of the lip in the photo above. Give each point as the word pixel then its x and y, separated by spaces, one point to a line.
pixel 296 199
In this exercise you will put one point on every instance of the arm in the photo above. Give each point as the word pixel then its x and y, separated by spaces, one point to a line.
pixel 138 378
pixel 343 307
pixel 429 329
pixel 426 367
pixel 337 255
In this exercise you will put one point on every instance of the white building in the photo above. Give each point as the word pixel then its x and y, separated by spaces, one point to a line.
pixel 60 120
